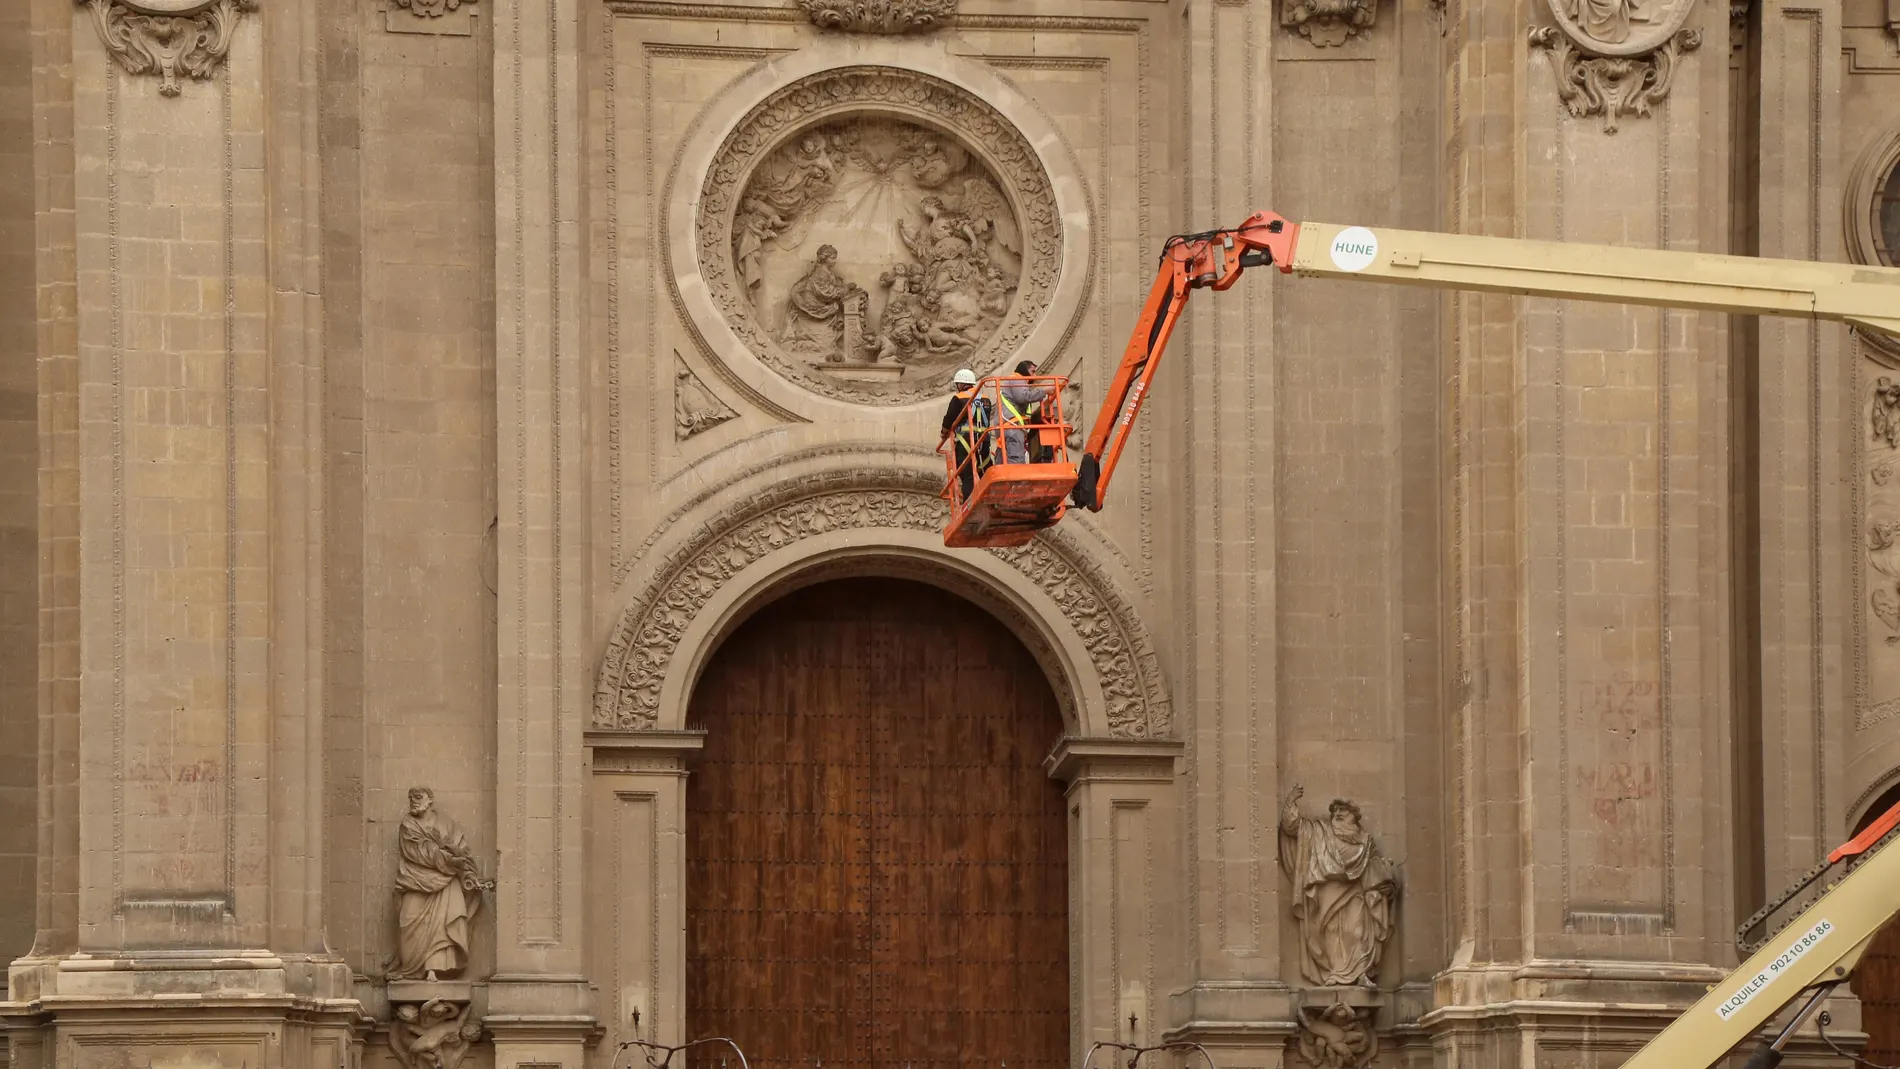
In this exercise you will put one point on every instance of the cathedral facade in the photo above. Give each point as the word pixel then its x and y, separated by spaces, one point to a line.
pixel 472 572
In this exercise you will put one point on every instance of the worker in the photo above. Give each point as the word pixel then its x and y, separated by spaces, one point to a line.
pixel 1022 406
pixel 971 445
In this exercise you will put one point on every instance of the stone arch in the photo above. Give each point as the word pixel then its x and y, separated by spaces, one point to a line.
pixel 1052 593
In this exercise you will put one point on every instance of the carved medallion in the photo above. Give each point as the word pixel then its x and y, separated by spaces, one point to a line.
pixel 867 231
pixel 168 38
pixel 1620 27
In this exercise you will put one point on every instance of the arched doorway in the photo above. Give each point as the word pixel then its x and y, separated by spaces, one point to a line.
pixel 876 860
pixel 1877 978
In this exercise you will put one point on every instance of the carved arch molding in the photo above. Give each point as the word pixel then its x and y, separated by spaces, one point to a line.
pixel 647 637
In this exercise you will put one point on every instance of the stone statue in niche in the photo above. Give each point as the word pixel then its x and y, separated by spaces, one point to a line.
pixel 1336 1036
pixel 440 885
pixel 433 1035
pixel 876 249
pixel 1344 892
pixel 1328 23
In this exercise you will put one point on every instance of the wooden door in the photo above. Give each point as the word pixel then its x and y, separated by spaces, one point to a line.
pixel 877 863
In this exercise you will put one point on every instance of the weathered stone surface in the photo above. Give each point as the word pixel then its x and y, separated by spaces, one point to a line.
pixel 415 392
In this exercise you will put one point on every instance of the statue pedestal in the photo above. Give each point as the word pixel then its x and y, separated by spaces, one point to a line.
pixel 1336 1026
pixel 431 990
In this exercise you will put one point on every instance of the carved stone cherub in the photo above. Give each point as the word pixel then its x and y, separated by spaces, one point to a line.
pixel 1344 892
pixel 435 1035
pixel 1336 1037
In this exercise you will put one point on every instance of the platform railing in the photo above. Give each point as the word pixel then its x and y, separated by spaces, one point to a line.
pixel 986 425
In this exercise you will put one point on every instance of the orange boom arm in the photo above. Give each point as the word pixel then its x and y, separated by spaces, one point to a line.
pixel 1212 260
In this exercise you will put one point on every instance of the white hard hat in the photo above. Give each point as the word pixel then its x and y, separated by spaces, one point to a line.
pixel 964 377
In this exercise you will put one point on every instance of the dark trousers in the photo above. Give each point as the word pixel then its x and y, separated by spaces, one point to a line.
pixel 966 471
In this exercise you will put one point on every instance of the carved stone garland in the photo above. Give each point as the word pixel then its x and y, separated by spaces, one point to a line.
pixel 643 644
pixel 880 16
pixel 168 38
pixel 908 97
pixel 1607 63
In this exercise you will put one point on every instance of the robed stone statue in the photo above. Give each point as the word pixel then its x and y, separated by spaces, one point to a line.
pixel 1344 891
pixel 440 886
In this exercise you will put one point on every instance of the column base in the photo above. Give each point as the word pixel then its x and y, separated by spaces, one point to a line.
pixel 1571 1014
pixel 1240 1022
pixel 541 1022
pixel 93 1011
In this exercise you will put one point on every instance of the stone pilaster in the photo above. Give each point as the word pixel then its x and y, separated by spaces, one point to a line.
pixel 636 849
pixel 193 487
pixel 541 1006
pixel 1587 447
pixel 1228 638
pixel 1123 806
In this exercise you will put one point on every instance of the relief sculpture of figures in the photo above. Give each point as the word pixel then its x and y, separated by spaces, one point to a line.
pixel 440 885
pixel 1344 892
pixel 876 249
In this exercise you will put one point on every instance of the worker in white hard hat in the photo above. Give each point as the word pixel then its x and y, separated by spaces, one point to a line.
pixel 968 432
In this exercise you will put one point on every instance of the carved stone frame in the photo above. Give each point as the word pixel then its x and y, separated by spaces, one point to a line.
pixel 1054 594
pixel 714 334
pixel 1879 159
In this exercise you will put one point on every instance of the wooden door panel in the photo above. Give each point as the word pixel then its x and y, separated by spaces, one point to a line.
pixel 872 776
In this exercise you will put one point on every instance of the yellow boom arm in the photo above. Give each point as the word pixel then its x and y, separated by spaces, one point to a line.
pixel 1866 297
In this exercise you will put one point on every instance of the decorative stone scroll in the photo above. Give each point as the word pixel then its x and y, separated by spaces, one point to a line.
pixel 867 230
pixel 433 1034
pixel 1614 58
pixel 880 16
pixel 642 647
pixel 168 38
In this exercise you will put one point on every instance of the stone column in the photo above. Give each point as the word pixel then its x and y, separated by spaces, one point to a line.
pixel 1123 808
pixel 186 858
pixel 1587 444
pixel 541 1009
pixel 636 850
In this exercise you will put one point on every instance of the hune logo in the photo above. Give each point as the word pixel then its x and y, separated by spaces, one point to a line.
pixel 1355 248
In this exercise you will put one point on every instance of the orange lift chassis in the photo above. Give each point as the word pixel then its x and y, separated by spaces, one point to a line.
pixel 1009 502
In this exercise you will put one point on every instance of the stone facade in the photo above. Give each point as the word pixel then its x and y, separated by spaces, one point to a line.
pixel 400 392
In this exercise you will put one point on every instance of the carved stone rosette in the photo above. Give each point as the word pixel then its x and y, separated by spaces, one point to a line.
pixel 867 230
pixel 1614 58
pixel 169 38
pixel 880 16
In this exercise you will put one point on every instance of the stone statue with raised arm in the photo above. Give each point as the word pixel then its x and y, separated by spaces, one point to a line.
pixel 1344 892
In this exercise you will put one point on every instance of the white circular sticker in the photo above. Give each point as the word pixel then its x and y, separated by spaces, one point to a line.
pixel 1355 248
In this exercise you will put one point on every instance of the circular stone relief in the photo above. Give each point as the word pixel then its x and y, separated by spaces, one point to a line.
pixel 1621 27
pixel 866 231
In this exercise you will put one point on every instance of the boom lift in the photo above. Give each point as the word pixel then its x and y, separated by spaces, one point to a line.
pixel 1805 958
pixel 1009 502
